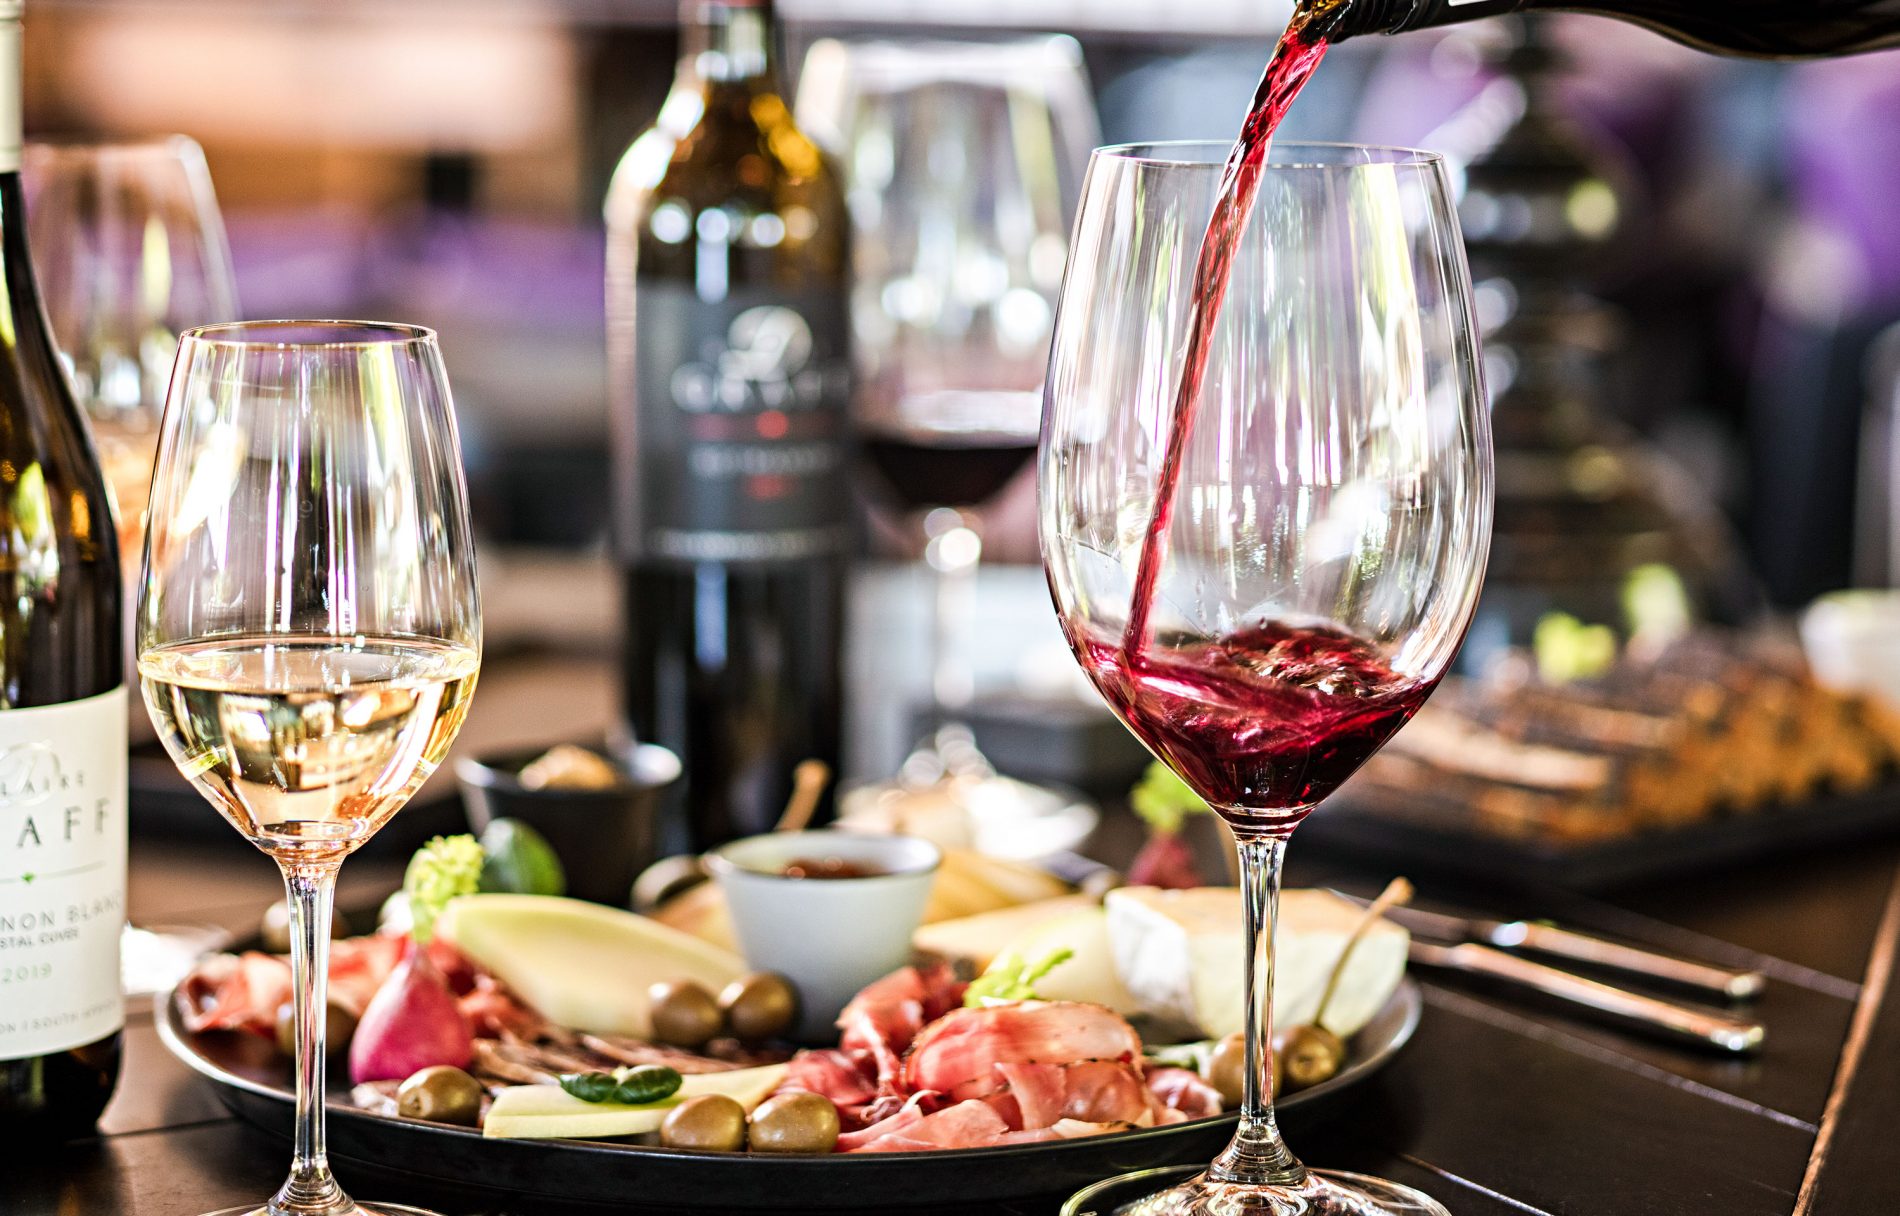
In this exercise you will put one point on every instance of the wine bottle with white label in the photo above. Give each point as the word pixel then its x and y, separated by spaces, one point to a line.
pixel 62 710
pixel 726 300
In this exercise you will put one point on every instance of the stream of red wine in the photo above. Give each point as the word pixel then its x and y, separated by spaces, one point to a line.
pixel 1298 52
pixel 1267 721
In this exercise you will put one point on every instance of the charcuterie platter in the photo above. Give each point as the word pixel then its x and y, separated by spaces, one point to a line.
pixel 253 1081
pixel 531 1042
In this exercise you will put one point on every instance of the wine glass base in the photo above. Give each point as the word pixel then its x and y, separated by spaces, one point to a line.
pixel 1189 1192
pixel 354 1209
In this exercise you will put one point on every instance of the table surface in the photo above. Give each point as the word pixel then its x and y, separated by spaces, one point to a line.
pixel 1500 1107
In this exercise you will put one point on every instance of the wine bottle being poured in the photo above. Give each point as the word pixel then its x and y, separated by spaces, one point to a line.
pixel 1773 28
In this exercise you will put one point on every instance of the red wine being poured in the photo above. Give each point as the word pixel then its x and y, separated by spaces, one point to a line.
pixel 1265 722
pixel 1298 52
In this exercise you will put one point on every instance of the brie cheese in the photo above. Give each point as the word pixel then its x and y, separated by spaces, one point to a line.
pixel 1179 955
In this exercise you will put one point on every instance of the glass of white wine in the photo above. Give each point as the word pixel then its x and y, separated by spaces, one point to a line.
pixel 309 628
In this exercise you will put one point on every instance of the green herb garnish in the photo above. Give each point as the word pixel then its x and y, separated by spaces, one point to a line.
pixel 640 1085
pixel 1011 979
pixel 1163 800
pixel 1191 1056
pixel 443 869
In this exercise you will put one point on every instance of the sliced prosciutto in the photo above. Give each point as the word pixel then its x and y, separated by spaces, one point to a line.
pixel 864 1075
pixel 957 1054
pixel 1183 1090
pixel 917 1072
pixel 244 992
pixel 882 1021
pixel 1089 1091
pixel 970 1124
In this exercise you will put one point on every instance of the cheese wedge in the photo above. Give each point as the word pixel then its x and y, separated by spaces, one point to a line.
pixel 548 1112
pixel 1179 955
pixel 979 939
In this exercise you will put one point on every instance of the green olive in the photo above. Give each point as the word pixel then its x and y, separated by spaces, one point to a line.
pixel 794 1123
pixel 338 1026
pixel 1226 1069
pixel 684 1014
pixel 274 930
pixel 441 1095
pixel 710 1121
pixel 1312 1054
pixel 759 1007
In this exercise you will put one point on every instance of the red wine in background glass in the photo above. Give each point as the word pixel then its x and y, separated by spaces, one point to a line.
pixel 1269 720
pixel 937 469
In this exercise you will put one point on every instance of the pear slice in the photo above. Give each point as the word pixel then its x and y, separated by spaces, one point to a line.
pixel 583 965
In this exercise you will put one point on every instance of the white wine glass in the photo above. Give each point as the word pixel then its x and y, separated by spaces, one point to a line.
pixel 1266 591
pixel 309 629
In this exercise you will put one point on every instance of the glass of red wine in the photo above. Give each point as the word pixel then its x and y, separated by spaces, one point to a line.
pixel 962 163
pixel 1265 517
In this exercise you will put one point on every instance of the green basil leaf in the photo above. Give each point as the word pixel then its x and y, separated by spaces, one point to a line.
pixel 646 1083
pixel 590 1086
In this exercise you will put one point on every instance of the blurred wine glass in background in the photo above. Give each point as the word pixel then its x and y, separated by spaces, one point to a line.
pixel 130 251
pixel 962 163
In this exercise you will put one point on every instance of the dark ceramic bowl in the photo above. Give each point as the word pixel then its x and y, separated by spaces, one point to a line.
pixel 603 837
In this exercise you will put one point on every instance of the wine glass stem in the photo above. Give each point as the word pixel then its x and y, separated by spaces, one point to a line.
pixel 311 889
pixel 1257 1156
pixel 954 551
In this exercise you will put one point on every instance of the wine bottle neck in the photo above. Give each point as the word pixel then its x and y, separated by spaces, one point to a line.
pixel 1394 16
pixel 730 41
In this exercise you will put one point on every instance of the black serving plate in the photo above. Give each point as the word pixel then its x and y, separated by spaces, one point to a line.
pixel 254 1082
pixel 1430 844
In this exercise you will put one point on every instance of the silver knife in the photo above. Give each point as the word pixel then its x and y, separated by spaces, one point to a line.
pixel 1702 1027
pixel 1579 947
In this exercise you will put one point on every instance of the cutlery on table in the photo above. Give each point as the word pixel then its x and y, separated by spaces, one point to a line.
pixel 1445 942
pixel 1550 939
pixel 1701 1027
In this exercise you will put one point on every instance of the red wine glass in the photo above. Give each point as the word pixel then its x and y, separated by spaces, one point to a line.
pixel 962 162
pixel 1266 583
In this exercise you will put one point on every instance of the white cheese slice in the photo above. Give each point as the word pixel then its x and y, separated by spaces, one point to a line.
pixel 548 1112
pixel 1179 955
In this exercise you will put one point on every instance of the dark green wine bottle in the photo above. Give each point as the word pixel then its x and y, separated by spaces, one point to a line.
pixel 62 710
pixel 727 298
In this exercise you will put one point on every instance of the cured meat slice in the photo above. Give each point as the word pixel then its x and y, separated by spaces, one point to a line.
pixel 969 1124
pixel 244 992
pixel 956 1055
pixel 1183 1090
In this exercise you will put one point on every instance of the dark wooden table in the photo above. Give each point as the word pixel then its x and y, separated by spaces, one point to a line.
pixel 1500 1107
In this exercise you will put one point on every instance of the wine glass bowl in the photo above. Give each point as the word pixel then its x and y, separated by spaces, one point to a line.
pixel 962 161
pixel 130 250
pixel 309 628
pixel 1266 585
